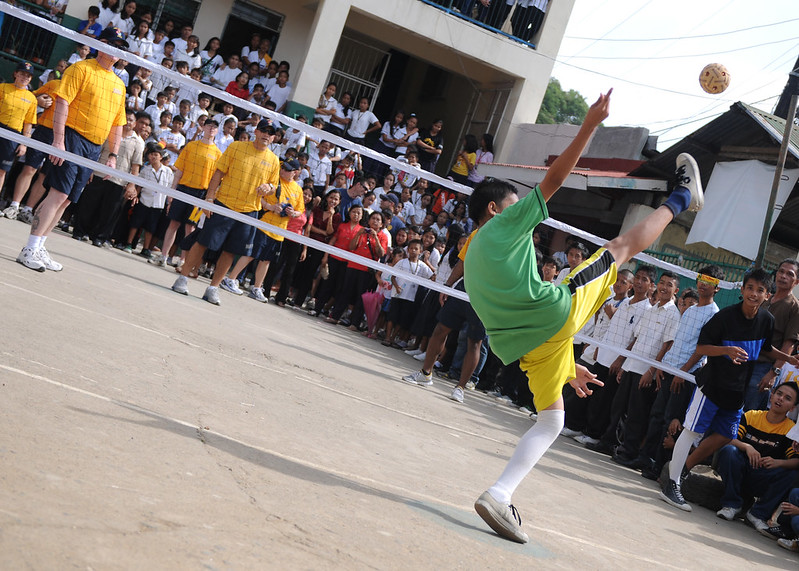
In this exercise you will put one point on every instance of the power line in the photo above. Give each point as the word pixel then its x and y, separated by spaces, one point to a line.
pixel 649 58
pixel 702 36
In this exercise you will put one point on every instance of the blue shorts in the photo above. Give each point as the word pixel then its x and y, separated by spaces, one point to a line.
pixel 70 178
pixel 705 417
pixel 8 150
pixel 456 312
pixel 225 234
pixel 34 157
pixel 265 248
pixel 181 211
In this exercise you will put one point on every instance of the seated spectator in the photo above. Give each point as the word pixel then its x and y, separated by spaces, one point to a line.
pixel 761 462
pixel 210 60
pixel 227 72
pixel 91 27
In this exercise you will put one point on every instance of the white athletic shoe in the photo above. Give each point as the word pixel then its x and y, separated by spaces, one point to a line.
pixel 585 439
pixel 211 295
pixel 569 433
pixel 181 285
pixel 457 394
pixel 728 513
pixel 688 176
pixel 419 378
pixel 231 285
pixel 29 258
pixel 413 352
pixel 420 356
pixel 11 212
pixel 49 263
pixel 257 293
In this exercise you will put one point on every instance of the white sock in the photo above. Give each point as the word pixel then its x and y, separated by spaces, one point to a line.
pixel 528 452
pixel 42 240
pixel 33 242
pixel 15 204
pixel 26 208
pixel 680 454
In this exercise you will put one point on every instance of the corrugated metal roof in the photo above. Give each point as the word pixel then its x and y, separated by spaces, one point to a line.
pixel 775 127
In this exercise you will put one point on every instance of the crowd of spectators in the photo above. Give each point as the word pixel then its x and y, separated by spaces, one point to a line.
pixel 176 138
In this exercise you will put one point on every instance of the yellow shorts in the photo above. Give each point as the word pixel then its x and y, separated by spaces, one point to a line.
pixel 550 366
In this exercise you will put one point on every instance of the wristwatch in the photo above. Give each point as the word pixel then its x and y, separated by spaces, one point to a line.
pixel 776 370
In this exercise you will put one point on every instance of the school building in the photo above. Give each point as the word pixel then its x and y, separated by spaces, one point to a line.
pixel 416 55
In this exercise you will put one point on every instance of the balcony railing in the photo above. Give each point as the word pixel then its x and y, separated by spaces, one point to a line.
pixel 21 41
pixel 520 24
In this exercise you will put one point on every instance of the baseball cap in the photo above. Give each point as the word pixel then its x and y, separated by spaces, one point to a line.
pixel 391 196
pixel 265 126
pixel 291 165
pixel 25 66
pixel 114 36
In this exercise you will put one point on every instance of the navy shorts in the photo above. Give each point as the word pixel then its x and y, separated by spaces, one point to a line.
pixel 8 150
pixel 145 217
pixel 265 248
pixel 401 312
pixel 456 312
pixel 705 417
pixel 70 178
pixel 225 234
pixel 181 211
pixel 34 157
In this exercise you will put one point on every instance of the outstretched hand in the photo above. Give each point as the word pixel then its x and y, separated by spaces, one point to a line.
pixel 599 111
pixel 583 379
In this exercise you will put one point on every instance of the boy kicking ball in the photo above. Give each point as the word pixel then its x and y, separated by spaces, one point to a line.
pixel 534 321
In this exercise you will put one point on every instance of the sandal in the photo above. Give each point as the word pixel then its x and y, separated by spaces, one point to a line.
pixel 386 343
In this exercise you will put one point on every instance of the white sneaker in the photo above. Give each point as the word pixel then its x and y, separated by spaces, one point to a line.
pixel 585 439
pixel 49 263
pixel 157 259
pixel 25 215
pixel 505 400
pixel 569 433
pixel 728 513
pixel 29 258
pixel 789 544
pixel 420 356
pixel 11 212
pixel 689 177
pixel 231 285
pixel 457 394
pixel 495 394
pixel 257 293
pixel 419 378
pixel 470 386
pixel 760 525
pixel 211 295
pixel 413 352
pixel 181 285
pixel 526 410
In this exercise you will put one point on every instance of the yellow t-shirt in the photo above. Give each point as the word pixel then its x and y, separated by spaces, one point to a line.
pixel 49 88
pixel 96 98
pixel 462 253
pixel 197 162
pixel 17 106
pixel 290 192
pixel 245 168
pixel 460 166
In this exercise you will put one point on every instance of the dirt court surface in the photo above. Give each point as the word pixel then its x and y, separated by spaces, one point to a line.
pixel 145 429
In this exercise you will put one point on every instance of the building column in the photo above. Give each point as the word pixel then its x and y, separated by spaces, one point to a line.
pixel 522 109
pixel 323 38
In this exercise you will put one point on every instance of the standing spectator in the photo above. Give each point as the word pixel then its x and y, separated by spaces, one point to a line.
pixel 279 93
pixel 140 43
pixel 101 202
pixel 79 126
pixel 255 41
pixel 325 222
pixel 245 173
pixel 108 11
pixel 342 117
pixel 466 160
pixel 181 43
pixel 150 204
pixel 362 122
pixel 190 54
pixel 124 20
pixel 485 154
pixel 430 145
pixel 210 60
pixel 226 73
pixel 784 306
pixel 326 107
pixel 91 27
pixel 17 113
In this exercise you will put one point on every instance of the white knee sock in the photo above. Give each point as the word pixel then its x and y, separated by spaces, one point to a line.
pixel 34 241
pixel 528 452
pixel 680 454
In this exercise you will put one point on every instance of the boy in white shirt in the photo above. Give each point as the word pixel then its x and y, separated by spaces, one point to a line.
pixel 402 312
pixel 174 140
pixel 225 137
pixel 147 211
pixel 279 93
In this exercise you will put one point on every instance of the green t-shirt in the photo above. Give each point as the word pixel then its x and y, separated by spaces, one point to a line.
pixel 519 311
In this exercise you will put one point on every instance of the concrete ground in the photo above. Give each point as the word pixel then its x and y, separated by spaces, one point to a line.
pixel 144 429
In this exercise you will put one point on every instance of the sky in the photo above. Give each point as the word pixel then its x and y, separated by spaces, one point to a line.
pixel 656 81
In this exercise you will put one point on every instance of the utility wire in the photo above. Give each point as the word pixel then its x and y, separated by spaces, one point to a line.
pixel 604 39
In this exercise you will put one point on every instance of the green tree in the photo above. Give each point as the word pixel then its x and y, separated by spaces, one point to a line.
pixel 561 106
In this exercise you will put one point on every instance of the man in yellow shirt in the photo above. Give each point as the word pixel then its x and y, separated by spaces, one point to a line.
pixel 246 172
pixel 34 158
pixel 285 203
pixel 194 168
pixel 17 113
pixel 89 108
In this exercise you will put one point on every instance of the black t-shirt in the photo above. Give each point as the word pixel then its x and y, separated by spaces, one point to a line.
pixel 721 380
pixel 436 141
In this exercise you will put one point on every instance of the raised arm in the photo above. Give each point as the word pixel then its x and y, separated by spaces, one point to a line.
pixel 565 163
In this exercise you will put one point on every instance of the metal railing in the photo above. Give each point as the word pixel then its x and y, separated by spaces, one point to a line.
pixel 23 41
pixel 524 23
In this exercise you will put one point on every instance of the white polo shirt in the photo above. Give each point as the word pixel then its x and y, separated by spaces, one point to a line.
pixel 656 327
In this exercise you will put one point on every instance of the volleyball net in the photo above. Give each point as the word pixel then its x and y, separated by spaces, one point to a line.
pixel 184 82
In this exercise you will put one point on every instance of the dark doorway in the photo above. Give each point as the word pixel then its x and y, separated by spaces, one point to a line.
pixel 246 19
